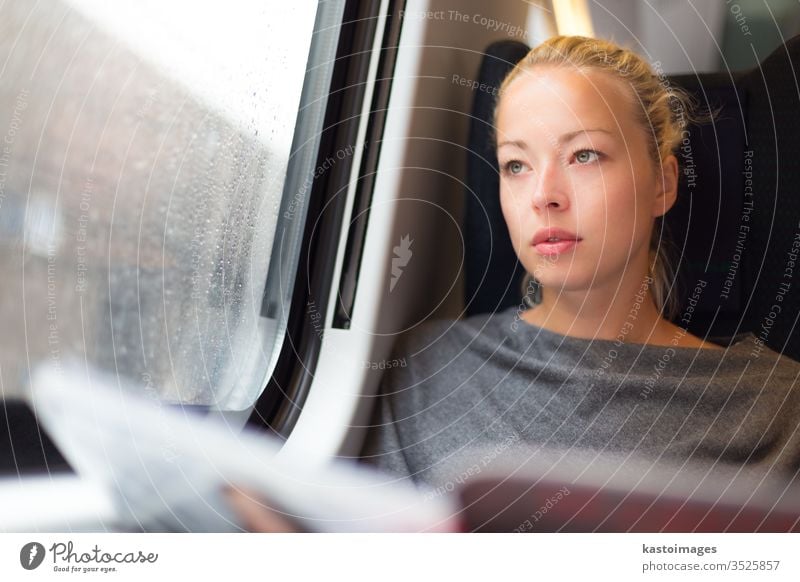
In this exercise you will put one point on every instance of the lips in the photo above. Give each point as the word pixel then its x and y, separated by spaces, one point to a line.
pixel 554 241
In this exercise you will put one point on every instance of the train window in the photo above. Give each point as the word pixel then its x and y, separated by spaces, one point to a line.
pixel 148 187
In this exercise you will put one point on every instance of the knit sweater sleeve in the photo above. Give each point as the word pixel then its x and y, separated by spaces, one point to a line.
pixel 383 446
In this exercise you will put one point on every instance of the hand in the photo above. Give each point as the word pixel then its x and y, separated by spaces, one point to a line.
pixel 255 512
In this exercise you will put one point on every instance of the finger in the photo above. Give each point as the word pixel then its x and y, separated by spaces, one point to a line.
pixel 254 512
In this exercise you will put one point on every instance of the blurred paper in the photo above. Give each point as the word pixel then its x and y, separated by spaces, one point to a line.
pixel 166 468
pixel 53 503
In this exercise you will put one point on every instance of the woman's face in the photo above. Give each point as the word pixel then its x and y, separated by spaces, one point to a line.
pixel 573 155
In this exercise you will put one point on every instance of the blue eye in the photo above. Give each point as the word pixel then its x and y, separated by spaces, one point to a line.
pixel 585 156
pixel 513 167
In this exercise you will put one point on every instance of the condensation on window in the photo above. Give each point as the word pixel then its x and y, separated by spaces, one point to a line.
pixel 143 152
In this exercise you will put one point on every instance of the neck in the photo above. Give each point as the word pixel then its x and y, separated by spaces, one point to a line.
pixel 625 312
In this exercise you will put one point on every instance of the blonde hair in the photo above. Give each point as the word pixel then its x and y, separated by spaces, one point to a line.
pixel 664 113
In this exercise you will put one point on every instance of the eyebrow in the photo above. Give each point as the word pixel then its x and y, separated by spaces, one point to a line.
pixel 562 140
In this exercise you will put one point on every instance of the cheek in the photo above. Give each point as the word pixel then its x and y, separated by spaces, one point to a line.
pixel 628 216
pixel 512 213
pixel 618 202
pixel 517 217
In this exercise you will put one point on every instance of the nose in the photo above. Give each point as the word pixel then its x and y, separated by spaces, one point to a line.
pixel 550 191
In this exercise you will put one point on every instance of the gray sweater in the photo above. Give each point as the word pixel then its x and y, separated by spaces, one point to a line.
pixel 492 382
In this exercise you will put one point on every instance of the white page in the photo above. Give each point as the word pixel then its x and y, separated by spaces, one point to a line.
pixel 58 502
pixel 166 468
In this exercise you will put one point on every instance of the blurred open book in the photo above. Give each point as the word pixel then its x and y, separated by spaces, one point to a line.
pixel 166 469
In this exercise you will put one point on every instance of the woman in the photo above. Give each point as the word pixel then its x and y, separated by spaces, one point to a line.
pixel 585 135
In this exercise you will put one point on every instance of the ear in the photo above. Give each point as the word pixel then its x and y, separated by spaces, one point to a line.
pixel 667 186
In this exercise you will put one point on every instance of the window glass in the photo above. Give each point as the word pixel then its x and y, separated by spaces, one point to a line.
pixel 144 148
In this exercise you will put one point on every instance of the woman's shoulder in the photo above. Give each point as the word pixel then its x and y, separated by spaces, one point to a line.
pixel 440 337
pixel 442 355
pixel 762 359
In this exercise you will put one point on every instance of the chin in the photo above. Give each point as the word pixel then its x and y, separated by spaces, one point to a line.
pixel 568 282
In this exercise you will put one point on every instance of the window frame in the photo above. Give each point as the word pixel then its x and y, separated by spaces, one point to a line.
pixel 281 402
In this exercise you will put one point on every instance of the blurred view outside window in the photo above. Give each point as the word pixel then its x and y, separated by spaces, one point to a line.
pixel 144 147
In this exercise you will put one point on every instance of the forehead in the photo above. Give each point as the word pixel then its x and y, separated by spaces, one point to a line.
pixel 557 97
